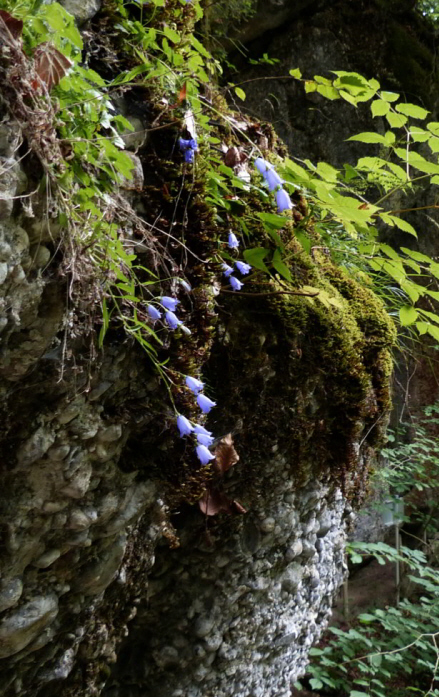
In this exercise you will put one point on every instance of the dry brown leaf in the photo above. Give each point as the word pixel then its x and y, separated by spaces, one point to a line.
pixel 213 502
pixel 14 26
pixel 50 64
pixel 225 454
pixel 232 157
pixel 183 93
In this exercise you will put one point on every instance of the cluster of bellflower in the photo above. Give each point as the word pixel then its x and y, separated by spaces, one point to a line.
pixel 274 184
pixel 203 436
pixel 169 305
pixel 186 427
pixel 188 147
pixel 241 266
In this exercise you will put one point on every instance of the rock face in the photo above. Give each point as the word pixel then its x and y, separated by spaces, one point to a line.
pixel 113 582
pixel 393 45
pixel 234 616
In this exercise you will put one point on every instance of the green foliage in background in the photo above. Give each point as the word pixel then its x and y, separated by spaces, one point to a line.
pixel 391 651
pixel 352 205
pixel 429 9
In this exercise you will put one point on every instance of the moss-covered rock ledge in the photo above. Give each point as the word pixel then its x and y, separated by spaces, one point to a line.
pixel 113 582
pixel 236 608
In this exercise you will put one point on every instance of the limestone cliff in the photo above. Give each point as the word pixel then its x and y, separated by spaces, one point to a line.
pixel 113 581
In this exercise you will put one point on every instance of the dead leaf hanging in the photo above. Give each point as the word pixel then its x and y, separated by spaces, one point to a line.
pixel 14 26
pixel 232 157
pixel 225 454
pixel 50 64
pixel 213 502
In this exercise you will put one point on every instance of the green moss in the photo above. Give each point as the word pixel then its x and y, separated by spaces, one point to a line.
pixel 330 365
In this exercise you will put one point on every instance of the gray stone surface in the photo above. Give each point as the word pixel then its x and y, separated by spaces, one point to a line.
pixel 82 10
pixel 205 626
pixel 19 628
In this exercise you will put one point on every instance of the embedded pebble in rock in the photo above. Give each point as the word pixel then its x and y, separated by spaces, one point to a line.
pixel 24 624
pixel 294 550
pixel 47 559
pixel 98 575
pixel 136 499
pixel 136 138
pixel 79 483
pixel 78 520
pixel 268 525
pixel 110 434
pixel 3 272
pixel 292 577
pixel 61 669
pixel 35 447
pixel 40 256
pixel 10 592
pixel 58 452
pixel 203 626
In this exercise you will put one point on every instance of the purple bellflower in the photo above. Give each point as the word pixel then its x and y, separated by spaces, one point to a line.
pixel 188 146
pixel 227 270
pixel 243 267
pixel 187 286
pixel 201 429
pixel 283 201
pixel 172 320
pixel 194 384
pixel 205 403
pixel 233 241
pixel 273 179
pixel 204 455
pixel 262 165
pixel 184 425
pixel 236 285
pixel 169 303
pixel 153 312
pixel 205 440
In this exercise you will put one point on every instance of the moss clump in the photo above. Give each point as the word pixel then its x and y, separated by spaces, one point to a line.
pixel 308 377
